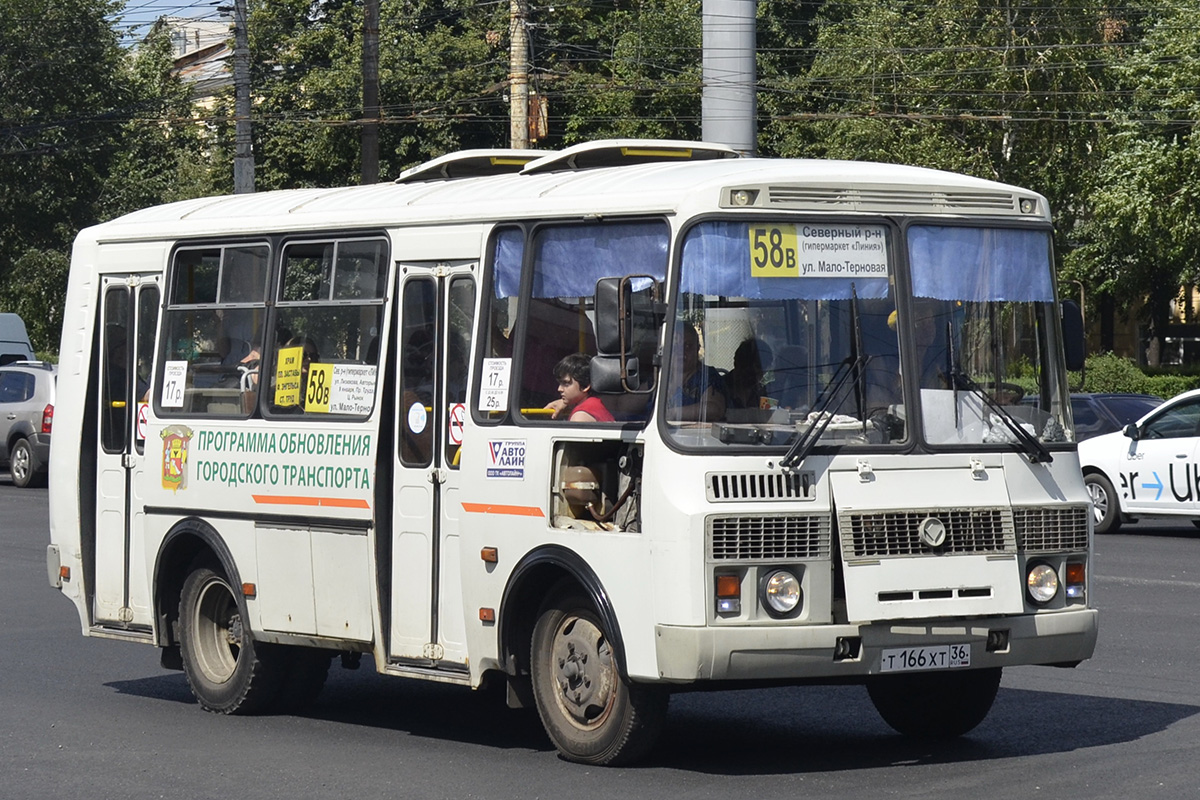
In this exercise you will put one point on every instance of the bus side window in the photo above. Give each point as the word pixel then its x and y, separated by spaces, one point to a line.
pixel 329 313
pixel 214 323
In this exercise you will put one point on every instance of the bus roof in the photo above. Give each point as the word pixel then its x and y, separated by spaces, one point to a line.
pixel 669 186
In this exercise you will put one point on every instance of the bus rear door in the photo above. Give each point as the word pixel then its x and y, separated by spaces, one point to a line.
pixel 128 321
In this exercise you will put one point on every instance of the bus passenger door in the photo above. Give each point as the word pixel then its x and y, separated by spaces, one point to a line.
pixel 129 306
pixel 437 306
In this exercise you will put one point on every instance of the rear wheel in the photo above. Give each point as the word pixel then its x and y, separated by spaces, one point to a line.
pixel 590 713
pixel 227 671
pixel 23 464
pixel 935 704
pixel 1106 509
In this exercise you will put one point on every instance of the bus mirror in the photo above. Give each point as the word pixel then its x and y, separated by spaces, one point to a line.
pixel 1072 328
pixel 611 376
pixel 623 305
pixel 612 318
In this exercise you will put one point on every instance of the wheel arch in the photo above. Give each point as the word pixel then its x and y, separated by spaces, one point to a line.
pixel 528 587
pixel 22 429
pixel 186 541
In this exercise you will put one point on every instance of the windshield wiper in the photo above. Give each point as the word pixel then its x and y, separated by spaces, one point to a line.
pixel 1032 445
pixel 833 393
pixel 831 396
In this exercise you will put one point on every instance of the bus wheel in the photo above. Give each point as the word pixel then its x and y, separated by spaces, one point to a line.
pixel 591 715
pixel 224 668
pixel 1106 509
pixel 935 704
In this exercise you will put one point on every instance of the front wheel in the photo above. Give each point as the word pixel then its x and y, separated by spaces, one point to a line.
pixel 224 666
pixel 591 715
pixel 1106 509
pixel 935 704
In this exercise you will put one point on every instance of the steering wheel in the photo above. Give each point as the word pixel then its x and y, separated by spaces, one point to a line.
pixel 1006 394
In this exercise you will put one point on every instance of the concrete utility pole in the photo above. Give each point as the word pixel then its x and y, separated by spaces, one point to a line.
pixel 729 107
pixel 370 68
pixel 243 154
pixel 518 74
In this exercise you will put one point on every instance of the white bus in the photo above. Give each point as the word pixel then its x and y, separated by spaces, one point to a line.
pixel 813 427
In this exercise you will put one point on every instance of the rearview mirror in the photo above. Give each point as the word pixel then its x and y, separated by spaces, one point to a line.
pixel 627 313
pixel 1072 328
pixel 1131 430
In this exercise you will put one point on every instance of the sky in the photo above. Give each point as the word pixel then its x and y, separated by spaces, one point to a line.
pixel 139 15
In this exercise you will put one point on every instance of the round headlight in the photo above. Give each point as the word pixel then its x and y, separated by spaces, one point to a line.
pixel 1042 583
pixel 781 592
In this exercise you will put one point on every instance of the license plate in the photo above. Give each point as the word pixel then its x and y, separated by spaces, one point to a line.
pixel 907 659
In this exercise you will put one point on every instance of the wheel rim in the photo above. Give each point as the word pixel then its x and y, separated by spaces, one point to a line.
pixel 20 463
pixel 584 673
pixel 1099 501
pixel 218 631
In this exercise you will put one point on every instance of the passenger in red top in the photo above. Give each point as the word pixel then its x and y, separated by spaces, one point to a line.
pixel 577 404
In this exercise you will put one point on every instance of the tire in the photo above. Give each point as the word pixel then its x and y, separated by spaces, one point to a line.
pixel 24 465
pixel 228 672
pixel 591 715
pixel 1106 508
pixel 303 672
pixel 940 705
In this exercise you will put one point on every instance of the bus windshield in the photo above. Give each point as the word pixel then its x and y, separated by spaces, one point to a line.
pixel 786 331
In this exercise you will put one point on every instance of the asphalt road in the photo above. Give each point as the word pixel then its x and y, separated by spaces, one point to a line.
pixel 84 718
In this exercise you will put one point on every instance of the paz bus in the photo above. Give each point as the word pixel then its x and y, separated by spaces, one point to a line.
pixel 322 422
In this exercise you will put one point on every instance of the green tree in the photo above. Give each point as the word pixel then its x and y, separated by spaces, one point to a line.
pixel 1142 233
pixel 88 131
pixel 59 87
pixel 1005 91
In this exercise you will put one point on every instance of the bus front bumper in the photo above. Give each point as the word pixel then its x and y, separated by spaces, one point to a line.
pixel 805 652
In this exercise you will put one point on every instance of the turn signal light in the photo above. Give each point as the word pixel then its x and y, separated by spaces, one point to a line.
pixel 64 573
pixel 729 594
pixel 489 554
pixel 249 590
pixel 487 615
pixel 1076 578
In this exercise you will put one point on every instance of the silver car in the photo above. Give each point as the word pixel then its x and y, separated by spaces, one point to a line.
pixel 26 416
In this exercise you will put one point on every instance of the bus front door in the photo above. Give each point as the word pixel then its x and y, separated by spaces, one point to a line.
pixel 436 310
pixel 128 320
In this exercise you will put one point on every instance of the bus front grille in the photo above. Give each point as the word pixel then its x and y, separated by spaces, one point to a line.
pixel 899 533
pixel 768 537
pixel 1045 530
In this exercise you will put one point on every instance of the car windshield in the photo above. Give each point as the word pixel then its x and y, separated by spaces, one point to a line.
pixel 1129 408
pixel 783 331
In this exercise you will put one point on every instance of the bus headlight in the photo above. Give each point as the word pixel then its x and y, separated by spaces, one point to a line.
pixel 781 593
pixel 1042 583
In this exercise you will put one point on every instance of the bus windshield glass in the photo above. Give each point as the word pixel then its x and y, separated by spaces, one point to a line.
pixel 781 328
pixel 795 330
pixel 983 327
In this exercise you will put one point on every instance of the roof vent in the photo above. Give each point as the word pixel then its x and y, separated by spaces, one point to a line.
pixel 471 164
pixel 623 152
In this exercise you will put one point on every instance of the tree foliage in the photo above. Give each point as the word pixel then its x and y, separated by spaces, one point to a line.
pixel 81 138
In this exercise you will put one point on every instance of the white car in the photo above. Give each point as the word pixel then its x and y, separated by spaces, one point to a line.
pixel 1149 469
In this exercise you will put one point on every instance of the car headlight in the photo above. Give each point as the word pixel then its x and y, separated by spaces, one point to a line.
pixel 1042 583
pixel 781 593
